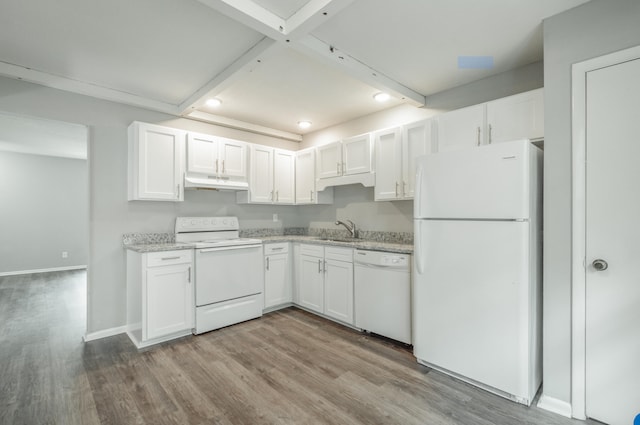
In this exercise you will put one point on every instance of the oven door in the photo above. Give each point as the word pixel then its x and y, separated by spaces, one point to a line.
pixel 226 273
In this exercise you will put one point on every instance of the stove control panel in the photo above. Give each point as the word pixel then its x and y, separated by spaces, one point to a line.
pixel 206 224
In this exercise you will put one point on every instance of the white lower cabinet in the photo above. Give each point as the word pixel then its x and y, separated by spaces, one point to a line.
pixel 277 275
pixel 160 296
pixel 325 281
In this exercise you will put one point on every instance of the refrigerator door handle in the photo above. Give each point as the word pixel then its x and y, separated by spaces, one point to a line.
pixel 418 257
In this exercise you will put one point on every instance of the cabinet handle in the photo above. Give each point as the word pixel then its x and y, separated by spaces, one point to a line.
pixel 277 249
pixel 490 133
pixel 271 196
pixel 319 266
pixel 267 263
pixel 404 188
pixel 170 258
pixel 189 278
pixel 337 168
pixel 217 166
pixel 178 191
pixel 311 195
pixel 396 189
pixel 224 170
pixel 324 266
pixel 478 144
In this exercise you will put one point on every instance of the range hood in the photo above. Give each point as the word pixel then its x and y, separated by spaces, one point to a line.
pixel 212 183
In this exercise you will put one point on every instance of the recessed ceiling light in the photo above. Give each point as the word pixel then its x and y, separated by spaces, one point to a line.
pixel 214 102
pixel 304 124
pixel 381 97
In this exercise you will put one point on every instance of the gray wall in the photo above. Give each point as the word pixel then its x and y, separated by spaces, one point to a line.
pixel 45 210
pixel 591 30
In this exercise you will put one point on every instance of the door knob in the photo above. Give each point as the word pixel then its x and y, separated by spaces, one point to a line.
pixel 600 265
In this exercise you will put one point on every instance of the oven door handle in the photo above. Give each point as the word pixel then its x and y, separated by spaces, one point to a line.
pixel 227 248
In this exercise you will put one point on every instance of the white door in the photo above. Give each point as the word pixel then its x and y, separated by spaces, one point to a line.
pixel 261 180
pixel 356 155
pixel 277 287
pixel 613 232
pixel 284 177
pixel 311 285
pixel 169 300
pixel 305 176
pixel 329 158
pixel 416 141
pixel 388 148
pixel 338 290
pixel 202 154
pixel 461 129
pixel 233 158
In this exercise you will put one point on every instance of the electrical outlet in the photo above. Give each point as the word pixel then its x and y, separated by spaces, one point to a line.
pixel 65 254
pixel 275 217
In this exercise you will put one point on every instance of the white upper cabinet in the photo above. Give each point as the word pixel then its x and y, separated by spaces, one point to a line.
pixel 520 116
pixel 156 161
pixel 329 160
pixel 462 128
pixel 216 156
pixel 346 162
pixel 271 176
pixel 388 145
pixel 516 117
pixel 284 177
pixel 396 153
pixel 356 155
pixel 306 192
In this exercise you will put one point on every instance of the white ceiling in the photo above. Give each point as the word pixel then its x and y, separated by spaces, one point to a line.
pixel 271 62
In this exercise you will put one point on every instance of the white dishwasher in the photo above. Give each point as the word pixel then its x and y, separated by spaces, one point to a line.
pixel 383 294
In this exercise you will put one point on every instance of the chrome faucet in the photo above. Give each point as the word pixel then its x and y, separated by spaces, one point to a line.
pixel 351 226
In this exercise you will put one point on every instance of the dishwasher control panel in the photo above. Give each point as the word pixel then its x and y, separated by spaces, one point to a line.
pixel 383 259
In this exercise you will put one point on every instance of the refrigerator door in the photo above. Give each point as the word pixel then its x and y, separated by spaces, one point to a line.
pixel 488 182
pixel 472 304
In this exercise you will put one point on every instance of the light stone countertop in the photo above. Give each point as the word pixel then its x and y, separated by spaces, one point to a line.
pixel 356 243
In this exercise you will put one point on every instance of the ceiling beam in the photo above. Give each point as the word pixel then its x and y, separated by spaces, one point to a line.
pixel 252 15
pixel 312 15
pixel 242 125
pixel 317 48
pixel 87 89
pixel 242 65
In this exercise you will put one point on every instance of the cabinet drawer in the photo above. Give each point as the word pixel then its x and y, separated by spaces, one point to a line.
pixel 276 248
pixel 165 258
pixel 313 250
pixel 339 254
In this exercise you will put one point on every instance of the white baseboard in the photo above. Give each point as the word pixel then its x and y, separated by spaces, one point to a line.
pixel 54 269
pixel 104 333
pixel 554 405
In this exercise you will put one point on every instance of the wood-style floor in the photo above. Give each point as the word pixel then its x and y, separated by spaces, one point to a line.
pixel 289 367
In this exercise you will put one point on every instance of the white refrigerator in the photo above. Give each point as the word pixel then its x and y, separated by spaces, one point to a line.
pixel 477 266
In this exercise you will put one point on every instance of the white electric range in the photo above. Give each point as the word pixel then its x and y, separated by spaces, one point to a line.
pixel 228 271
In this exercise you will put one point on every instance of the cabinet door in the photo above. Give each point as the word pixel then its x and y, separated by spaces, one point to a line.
pixel 356 152
pixel 284 177
pixel 202 154
pixel 338 290
pixel 388 148
pixel 277 284
pixel 157 168
pixel 261 180
pixel 233 159
pixel 170 300
pixel 305 176
pixel 460 129
pixel 329 160
pixel 416 141
pixel 516 117
pixel 311 284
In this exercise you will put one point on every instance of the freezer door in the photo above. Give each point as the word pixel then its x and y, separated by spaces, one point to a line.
pixel 473 313
pixel 492 182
